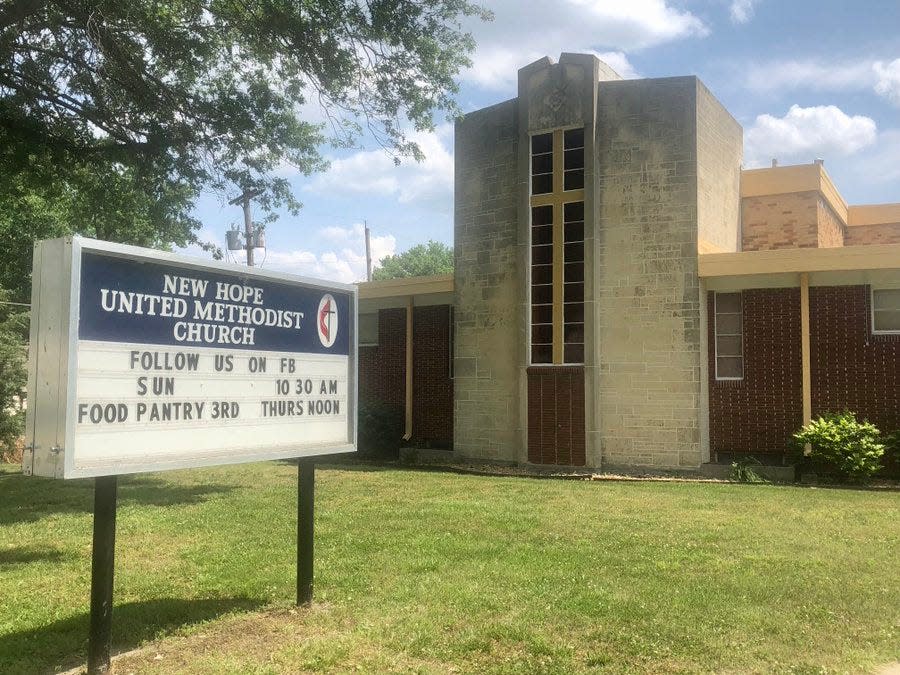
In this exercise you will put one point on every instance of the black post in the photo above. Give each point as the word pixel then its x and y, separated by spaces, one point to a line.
pixel 102 563
pixel 306 481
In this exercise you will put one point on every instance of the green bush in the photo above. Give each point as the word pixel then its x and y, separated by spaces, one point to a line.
pixel 380 430
pixel 13 328
pixel 744 471
pixel 843 445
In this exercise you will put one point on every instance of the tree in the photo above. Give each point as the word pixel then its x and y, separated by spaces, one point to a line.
pixel 13 329
pixel 419 261
pixel 115 115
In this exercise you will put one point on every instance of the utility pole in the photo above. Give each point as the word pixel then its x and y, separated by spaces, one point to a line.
pixel 368 253
pixel 244 199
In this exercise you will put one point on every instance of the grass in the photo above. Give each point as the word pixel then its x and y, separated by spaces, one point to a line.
pixel 435 572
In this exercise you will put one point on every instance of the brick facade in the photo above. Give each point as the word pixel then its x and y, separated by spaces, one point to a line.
pixel 852 369
pixel 865 235
pixel 758 414
pixel 382 371
pixel 556 415
pixel 780 221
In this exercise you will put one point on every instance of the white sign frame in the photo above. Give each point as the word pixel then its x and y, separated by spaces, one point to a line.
pixel 53 361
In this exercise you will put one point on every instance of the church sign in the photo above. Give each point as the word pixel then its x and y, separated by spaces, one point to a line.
pixel 142 361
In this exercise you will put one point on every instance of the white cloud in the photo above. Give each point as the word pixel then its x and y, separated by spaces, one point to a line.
pixel 619 63
pixel 524 32
pixel 810 75
pixel 805 133
pixel 345 262
pixel 742 10
pixel 888 83
pixel 373 172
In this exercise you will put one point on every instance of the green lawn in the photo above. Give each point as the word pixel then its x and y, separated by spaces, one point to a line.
pixel 435 572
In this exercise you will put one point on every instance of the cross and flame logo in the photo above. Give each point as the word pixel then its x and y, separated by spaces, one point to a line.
pixel 327 321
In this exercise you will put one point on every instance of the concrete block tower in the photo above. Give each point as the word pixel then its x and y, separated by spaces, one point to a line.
pixel 580 206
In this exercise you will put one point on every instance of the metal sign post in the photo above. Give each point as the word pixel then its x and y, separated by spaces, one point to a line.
pixel 306 497
pixel 102 566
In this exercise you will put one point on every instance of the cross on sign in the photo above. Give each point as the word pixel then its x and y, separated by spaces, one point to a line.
pixel 325 319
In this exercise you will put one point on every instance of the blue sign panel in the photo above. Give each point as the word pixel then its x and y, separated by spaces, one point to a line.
pixel 137 301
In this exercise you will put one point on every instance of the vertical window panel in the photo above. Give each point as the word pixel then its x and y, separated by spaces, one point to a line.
pixel 729 336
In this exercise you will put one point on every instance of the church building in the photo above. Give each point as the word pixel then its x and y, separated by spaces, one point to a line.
pixel 626 296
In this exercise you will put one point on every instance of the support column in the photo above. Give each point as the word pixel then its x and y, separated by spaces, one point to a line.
pixel 805 350
pixel 409 369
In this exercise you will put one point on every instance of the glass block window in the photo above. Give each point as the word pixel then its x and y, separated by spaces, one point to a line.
pixel 729 329
pixel 573 162
pixel 886 310
pixel 542 164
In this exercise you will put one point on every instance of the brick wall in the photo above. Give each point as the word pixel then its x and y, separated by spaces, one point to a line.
pixel 852 368
pixel 780 221
pixel 862 235
pixel 759 413
pixel 831 229
pixel 432 386
pixel 556 415
pixel 382 370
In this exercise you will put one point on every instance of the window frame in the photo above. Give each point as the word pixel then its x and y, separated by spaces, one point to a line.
pixel 872 310
pixel 359 333
pixel 716 336
pixel 557 199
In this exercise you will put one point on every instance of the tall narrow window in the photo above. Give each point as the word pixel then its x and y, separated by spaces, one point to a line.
pixel 886 310
pixel 729 331
pixel 574 159
pixel 541 164
pixel 557 247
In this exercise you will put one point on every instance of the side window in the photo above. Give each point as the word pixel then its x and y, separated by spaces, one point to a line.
pixel 368 329
pixel 886 310
pixel 729 329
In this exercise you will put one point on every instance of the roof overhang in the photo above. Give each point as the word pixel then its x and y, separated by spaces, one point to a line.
pixel 430 290
pixel 779 261
pixel 873 265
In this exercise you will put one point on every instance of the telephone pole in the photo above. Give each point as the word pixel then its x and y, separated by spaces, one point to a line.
pixel 244 199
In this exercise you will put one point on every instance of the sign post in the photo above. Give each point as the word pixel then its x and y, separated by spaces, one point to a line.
pixel 102 566
pixel 306 495
pixel 142 360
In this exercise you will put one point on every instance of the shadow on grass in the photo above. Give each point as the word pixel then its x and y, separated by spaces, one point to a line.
pixel 63 644
pixel 24 555
pixel 30 498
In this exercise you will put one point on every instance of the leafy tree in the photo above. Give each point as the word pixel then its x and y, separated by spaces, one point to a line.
pixel 419 261
pixel 13 327
pixel 115 115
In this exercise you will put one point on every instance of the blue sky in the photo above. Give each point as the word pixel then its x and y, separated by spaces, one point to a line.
pixel 804 78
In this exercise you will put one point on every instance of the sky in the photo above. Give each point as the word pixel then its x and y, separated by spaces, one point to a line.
pixel 806 79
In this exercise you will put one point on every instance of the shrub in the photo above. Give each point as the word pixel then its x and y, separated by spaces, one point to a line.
pixel 13 329
pixel 379 432
pixel 843 445
pixel 743 471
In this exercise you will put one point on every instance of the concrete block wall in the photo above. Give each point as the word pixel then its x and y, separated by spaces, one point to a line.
pixel 720 151
pixel 646 287
pixel 488 283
